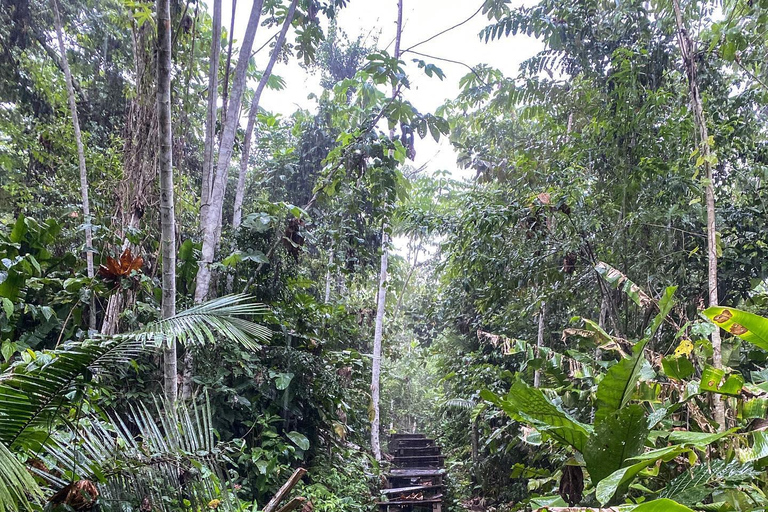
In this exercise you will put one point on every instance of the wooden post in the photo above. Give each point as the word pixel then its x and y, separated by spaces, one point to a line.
pixel 284 490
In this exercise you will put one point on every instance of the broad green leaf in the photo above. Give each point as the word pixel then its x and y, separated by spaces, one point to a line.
pixel 662 505
pixel 712 381
pixel 677 367
pixel 620 281
pixel 747 326
pixel 619 436
pixel 299 440
pixel 755 408
pixel 620 479
pixel 666 302
pixel 758 450
pixel 529 405
pixel 7 307
pixel 282 380
pixel 548 501
pixel 618 385
pixel 698 440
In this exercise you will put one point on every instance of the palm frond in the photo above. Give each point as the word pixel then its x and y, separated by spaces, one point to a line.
pixel 460 403
pixel 163 452
pixel 32 390
pixel 18 489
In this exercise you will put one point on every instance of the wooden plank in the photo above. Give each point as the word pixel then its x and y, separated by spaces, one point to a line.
pixel 420 449
pixel 406 435
pixel 285 489
pixel 293 504
pixel 398 490
pixel 418 457
pixel 414 473
pixel 436 499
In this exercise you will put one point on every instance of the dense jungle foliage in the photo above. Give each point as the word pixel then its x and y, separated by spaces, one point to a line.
pixel 201 295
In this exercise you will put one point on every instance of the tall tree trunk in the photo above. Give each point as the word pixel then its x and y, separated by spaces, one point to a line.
pixel 540 341
pixel 225 89
pixel 328 275
pixel 377 336
pixel 167 214
pixel 237 215
pixel 210 120
pixel 80 157
pixel 382 296
pixel 212 225
pixel 407 280
pixel 686 50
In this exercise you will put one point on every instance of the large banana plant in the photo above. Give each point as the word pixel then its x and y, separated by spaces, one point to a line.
pixel 34 389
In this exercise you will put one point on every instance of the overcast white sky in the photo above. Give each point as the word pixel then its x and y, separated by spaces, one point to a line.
pixel 421 19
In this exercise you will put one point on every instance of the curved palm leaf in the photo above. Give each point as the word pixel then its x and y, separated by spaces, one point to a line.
pixel 32 391
pixel 166 453
pixel 16 484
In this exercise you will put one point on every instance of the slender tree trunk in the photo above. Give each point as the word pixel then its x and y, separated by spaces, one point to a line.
pixel 210 121
pixel 80 157
pixel 237 215
pixel 328 276
pixel 225 89
pixel 167 214
pixel 212 225
pixel 382 296
pixel 377 336
pixel 407 281
pixel 686 50
pixel 540 341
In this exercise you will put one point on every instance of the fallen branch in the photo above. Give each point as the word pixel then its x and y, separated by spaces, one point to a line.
pixel 284 490
pixel 292 505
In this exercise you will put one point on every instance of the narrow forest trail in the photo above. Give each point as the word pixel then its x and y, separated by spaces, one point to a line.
pixel 415 480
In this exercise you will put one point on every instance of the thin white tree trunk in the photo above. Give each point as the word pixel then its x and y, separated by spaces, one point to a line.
pixel 686 50
pixel 377 336
pixel 237 215
pixel 540 342
pixel 407 280
pixel 328 276
pixel 210 120
pixel 167 213
pixel 382 296
pixel 80 157
pixel 225 89
pixel 212 225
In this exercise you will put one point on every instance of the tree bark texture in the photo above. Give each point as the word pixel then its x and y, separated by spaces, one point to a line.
pixel 686 50
pixel 382 296
pixel 237 215
pixel 167 213
pixel 377 336
pixel 540 341
pixel 210 120
pixel 228 67
pixel 80 156
pixel 212 225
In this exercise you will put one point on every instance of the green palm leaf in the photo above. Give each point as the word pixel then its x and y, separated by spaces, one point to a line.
pixel 16 484
pixel 165 453
pixel 32 391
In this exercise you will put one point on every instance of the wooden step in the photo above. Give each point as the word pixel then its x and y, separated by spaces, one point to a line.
pixel 413 488
pixel 415 473
pixel 418 457
pixel 436 499
pixel 417 450
pixel 411 443
pixel 406 435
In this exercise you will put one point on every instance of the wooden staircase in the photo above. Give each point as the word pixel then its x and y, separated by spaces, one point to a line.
pixel 416 478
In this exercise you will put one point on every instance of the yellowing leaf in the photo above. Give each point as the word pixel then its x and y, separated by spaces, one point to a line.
pixel 684 348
